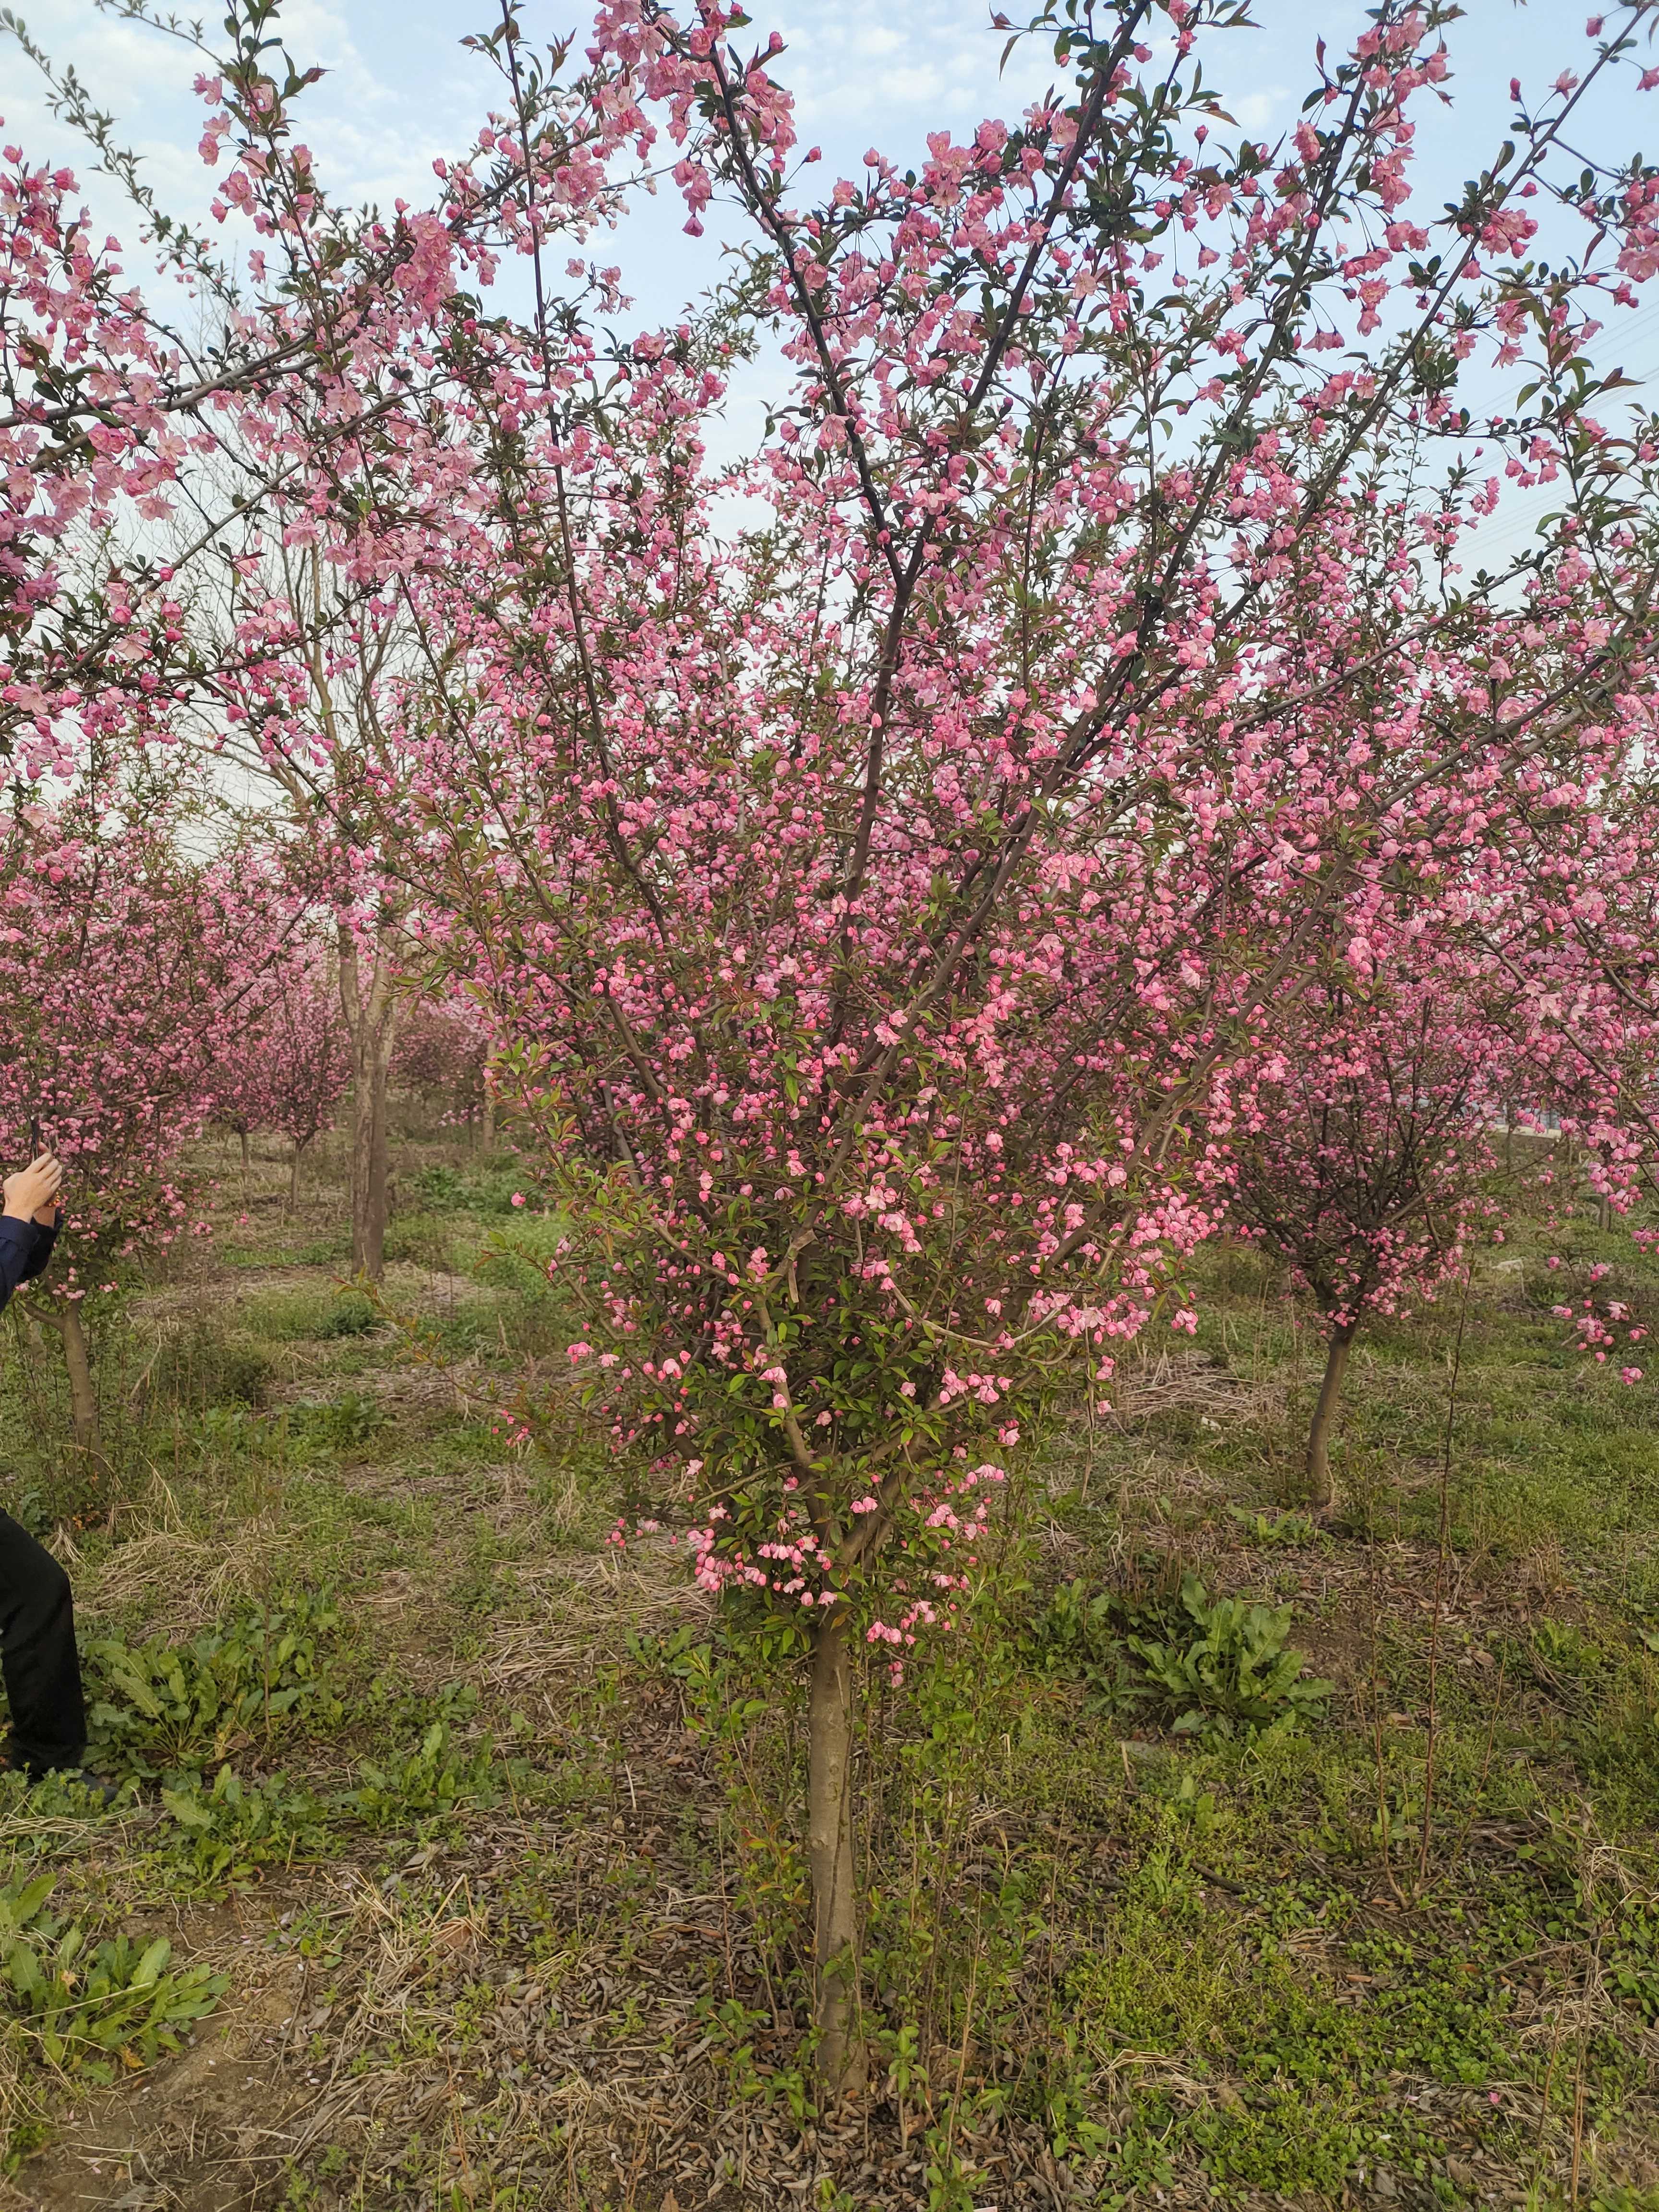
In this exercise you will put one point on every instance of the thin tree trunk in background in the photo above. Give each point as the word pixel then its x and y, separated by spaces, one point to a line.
pixel 842 2058
pixel 77 1360
pixel 246 1160
pixel 487 1125
pixel 293 1181
pixel 371 1015
pixel 1319 1491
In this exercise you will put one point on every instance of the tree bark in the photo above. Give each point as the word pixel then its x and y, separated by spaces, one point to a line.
pixel 371 1016
pixel 487 1125
pixel 1320 1492
pixel 841 2060
pixel 83 1396
pixel 293 1181
pixel 246 1160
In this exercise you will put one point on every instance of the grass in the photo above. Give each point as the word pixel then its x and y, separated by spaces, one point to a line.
pixel 475 1852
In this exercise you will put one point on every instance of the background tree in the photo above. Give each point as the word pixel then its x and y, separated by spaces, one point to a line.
pixel 307 1060
pixel 237 1087
pixel 286 1070
pixel 161 494
pixel 299 714
pixel 442 1055
pixel 124 968
pixel 1359 1148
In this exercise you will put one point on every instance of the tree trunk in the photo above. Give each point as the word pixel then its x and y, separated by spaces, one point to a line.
pixel 293 1181
pixel 1319 1491
pixel 487 1125
pixel 84 1397
pixel 371 1014
pixel 246 1161
pixel 369 1175
pixel 842 2058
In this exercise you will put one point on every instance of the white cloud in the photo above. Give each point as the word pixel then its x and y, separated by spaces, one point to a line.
pixel 1258 111
pixel 881 72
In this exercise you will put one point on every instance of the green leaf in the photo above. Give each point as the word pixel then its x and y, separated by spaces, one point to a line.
pixel 151 1964
pixel 187 1808
pixel 24 1969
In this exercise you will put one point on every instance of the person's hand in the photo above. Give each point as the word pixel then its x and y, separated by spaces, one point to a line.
pixel 31 1194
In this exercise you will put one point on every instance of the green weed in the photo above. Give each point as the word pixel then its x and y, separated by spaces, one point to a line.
pixel 429 1784
pixel 156 1706
pixel 1237 1675
pixel 1081 1635
pixel 343 1424
pixel 441 1185
pixel 1216 1667
pixel 449 1190
pixel 89 2007
pixel 237 1826
pixel 1271 1530
pixel 352 1313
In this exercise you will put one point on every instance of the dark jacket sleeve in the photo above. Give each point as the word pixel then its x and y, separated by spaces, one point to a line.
pixel 25 1248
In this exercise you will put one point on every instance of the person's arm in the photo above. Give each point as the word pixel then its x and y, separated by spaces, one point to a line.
pixel 45 1235
pixel 28 1226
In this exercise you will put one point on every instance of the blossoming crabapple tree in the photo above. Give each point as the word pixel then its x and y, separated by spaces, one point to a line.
pixel 108 405
pixel 122 969
pixel 442 1055
pixel 237 1087
pixel 1581 948
pixel 290 1071
pixel 1581 951
pixel 878 891
pixel 881 890
pixel 1359 1150
pixel 162 499
pixel 310 1062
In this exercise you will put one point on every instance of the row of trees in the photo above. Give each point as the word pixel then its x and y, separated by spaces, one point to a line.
pixel 288 1070
pixel 148 994
pixel 1075 786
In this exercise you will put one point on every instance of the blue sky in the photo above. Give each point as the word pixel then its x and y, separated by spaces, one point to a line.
pixel 400 89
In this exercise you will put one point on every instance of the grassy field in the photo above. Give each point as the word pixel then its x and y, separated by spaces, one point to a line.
pixel 456 1861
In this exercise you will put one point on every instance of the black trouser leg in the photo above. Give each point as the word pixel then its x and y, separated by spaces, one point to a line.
pixel 37 1642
